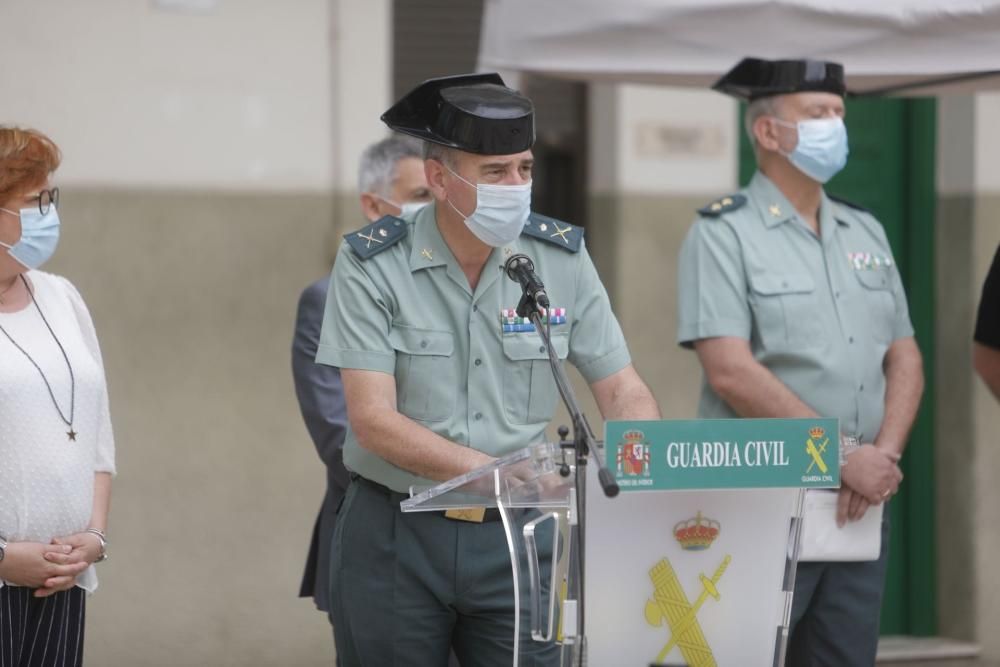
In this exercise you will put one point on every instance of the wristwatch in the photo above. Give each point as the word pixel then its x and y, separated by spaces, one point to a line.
pixel 848 445
pixel 3 548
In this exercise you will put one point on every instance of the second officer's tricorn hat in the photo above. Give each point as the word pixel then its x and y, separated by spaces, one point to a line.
pixel 754 78
pixel 475 113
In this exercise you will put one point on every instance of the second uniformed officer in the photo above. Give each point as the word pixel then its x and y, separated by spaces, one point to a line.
pixel 795 307
pixel 437 385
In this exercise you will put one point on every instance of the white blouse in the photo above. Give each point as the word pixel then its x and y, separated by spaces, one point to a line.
pixel 46 479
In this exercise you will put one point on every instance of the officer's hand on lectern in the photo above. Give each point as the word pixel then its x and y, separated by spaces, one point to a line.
pixel 871 473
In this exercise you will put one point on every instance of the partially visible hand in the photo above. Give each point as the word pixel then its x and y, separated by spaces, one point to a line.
pixel 84 548
pixel 851 506
pixel 25 564
pixel 54 585
pixel 872 473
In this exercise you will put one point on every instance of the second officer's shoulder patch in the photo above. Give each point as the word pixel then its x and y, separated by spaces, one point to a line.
pixel 723 205
pixel 372 239
pixel 566 236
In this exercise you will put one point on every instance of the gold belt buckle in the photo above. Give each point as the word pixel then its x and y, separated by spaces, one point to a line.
pixel 471 514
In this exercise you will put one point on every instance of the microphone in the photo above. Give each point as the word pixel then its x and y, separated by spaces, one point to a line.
pixel 521 269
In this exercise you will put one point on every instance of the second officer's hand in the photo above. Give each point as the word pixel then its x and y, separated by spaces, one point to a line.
pixel 871 473
pixel 851 506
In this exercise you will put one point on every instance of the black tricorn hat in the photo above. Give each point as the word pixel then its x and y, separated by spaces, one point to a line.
pixel 475 113
pixel 754 78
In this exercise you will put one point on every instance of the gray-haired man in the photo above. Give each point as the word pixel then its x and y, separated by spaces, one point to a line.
pixel 391 180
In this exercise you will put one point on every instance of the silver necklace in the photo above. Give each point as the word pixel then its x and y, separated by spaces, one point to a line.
pixel 71 434
pixel 4 292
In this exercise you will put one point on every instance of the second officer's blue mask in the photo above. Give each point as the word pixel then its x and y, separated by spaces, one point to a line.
pixel 822 148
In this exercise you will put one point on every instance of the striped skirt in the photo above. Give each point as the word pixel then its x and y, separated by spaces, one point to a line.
pixel 41 632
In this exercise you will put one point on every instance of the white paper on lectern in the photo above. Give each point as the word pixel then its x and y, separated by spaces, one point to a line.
pixel 824 541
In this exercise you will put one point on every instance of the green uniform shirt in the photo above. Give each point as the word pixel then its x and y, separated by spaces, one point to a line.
pixel 408 311
pixel 819 312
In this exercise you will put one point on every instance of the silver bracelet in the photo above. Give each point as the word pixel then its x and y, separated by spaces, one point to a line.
pixel 104 544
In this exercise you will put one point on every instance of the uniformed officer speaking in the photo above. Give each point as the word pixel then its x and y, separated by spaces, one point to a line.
pixel 794 305
pixel 438 383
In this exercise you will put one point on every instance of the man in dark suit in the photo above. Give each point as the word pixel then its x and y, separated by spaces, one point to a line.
pixel 391 180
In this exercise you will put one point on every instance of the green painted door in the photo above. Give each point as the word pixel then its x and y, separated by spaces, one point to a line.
pixel 891 172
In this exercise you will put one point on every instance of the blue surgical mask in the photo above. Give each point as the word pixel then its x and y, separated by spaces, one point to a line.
pixel 822 150
pixel 39 237
pixel 501 211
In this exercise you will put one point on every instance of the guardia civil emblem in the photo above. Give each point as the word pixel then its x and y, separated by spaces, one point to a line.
pixel 670 605
pixel 633 455
pixel 816 448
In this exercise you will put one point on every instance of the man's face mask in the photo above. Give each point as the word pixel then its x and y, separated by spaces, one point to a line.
pixel 406 208
pixel 821 150
pixel 501 211
pixel 39 236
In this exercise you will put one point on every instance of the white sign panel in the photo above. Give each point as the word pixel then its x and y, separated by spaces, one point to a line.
pixel 686 578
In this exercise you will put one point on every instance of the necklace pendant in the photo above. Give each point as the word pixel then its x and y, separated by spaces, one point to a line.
pixel 71 434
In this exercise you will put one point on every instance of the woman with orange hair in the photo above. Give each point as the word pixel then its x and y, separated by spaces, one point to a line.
pixel 56 445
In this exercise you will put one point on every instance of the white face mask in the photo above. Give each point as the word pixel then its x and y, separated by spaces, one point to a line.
pixel 406 208
pixel 501 211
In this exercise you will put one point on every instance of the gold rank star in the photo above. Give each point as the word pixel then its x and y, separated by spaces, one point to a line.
pixel 775 210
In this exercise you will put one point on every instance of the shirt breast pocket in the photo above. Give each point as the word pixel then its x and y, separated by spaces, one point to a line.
pixel 785 310
pixel 880 302
pixel 425 378
pixel 529 389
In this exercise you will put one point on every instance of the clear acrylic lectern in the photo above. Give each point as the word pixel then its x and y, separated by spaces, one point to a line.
pixel 533 488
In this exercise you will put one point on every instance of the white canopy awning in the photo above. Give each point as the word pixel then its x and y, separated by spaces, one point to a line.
pixel 929 46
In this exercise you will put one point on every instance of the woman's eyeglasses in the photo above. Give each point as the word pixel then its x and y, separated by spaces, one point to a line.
pixel 47 199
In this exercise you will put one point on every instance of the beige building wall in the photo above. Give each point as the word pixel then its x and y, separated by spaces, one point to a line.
pixel 954 436
pixel 210 153
pixel 986 459
pixel 237 96
pixel 658 155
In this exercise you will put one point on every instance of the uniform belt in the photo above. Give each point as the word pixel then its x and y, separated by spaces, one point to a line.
pixel 488 515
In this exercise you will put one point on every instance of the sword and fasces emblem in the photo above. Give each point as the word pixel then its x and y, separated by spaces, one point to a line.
pixel 670 604
pixel 817 451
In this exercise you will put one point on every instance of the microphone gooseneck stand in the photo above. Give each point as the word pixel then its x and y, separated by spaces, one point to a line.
pixel 584 443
